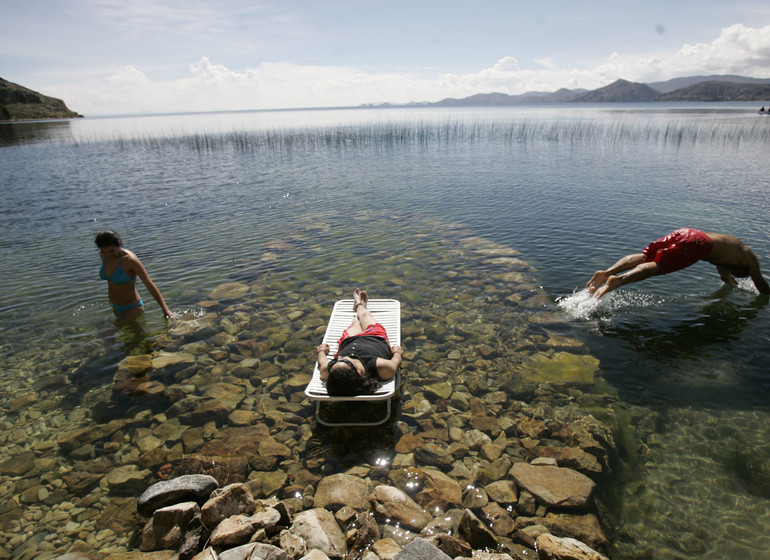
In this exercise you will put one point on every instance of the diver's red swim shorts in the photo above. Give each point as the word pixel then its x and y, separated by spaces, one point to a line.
pixel 374 330
pixel 678 250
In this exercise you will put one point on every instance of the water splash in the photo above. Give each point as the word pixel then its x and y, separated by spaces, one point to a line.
pixel 582 305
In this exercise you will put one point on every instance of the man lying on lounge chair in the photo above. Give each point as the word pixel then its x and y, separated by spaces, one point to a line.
pixel 364 358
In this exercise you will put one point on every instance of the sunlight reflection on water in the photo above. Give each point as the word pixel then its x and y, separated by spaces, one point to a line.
pixel 572 194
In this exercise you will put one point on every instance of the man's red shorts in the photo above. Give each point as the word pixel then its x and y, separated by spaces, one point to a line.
pixel 374 330
pixel 678 250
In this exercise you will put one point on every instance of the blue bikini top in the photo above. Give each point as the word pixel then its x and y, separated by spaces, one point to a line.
pixel 120 276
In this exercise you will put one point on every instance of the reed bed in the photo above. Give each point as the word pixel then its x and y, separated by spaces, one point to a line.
pixel 423 134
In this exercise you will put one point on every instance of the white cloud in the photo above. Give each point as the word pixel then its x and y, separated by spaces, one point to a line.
pixel 211 86
pixel 128 75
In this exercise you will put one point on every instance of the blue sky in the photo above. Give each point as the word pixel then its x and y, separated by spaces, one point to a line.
pixel 123 57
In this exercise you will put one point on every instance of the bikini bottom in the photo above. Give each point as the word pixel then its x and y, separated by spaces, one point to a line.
pixel 120 309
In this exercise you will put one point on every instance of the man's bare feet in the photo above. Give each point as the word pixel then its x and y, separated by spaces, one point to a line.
pixel 612 283
pixel 599 277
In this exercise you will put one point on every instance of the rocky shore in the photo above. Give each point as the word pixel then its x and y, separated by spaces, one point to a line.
pixel 18 103
pixel 205 447
pixel 341 517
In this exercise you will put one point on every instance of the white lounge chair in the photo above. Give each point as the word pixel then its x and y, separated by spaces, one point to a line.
pixel 386 312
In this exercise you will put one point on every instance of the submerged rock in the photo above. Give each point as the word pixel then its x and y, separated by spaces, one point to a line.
pixel 550 547
pixel 194 487
pixel 395 505
pixel 560 369
pixel 320 531
pixel 340 490
pixel 233 499
pixel 554 486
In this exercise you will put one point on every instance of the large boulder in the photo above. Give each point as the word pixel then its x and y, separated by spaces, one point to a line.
pixel 188 488
pixel 394 504
pixel 320 530
pixel 231 500
pixel 550 547
pixel 340 490
pixel 554 486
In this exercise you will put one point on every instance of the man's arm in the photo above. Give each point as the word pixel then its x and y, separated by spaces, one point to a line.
pixel 756 275
pixel 726 276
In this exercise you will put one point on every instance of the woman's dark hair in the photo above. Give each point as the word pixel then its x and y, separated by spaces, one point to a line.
pixel 108 238
pixel 348 383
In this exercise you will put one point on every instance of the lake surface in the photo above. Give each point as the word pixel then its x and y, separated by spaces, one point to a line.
pixel 201 198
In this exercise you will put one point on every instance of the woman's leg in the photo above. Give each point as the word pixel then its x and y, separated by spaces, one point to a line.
pixel 364 317
pixel 130 316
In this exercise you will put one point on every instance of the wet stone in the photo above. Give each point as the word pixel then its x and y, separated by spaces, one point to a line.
pixel 22 402
pixel 394 504
pixel 439 491
pixel 418 549
pixel 229 290
pixel 551 547
pixel 554 486
pixel 441 390
pixel 195 487
pixel 266 483
pixel 584 528
pixel 434 455
pixel 475 498
pixel 128 480
pixel 320 530
pixel 167 527
pixel 340 490
pixel 475 532
pixel 502 492
pixel 573 458
pixel 172 360
pixel 498 519
pixel 231 500
pixel 136 365
pixel 409 443
pixel 561 368
pixel 20 465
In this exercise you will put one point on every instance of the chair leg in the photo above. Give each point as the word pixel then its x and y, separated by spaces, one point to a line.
pixel 364 424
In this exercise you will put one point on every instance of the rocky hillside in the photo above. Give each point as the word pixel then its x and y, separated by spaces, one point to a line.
pixel 680 83
pixel 720 91
pixel 623 91
pixel 18 103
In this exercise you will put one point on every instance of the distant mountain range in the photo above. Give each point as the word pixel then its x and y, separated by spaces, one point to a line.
pixel 693 89
pixel 18 103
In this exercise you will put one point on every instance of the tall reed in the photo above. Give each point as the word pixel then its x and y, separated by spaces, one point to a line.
pixel 423 133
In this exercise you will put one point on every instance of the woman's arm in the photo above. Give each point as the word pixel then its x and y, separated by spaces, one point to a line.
pixel 142 273
pixel 386 369
pixel 323 360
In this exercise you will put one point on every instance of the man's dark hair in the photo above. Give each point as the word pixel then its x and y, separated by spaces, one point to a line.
pixel 348 383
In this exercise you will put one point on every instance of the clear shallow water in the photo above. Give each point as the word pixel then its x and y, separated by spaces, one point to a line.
pixel 197 197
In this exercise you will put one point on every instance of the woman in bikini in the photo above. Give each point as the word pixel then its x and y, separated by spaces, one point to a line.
pixel 120 267
pixel 365 357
